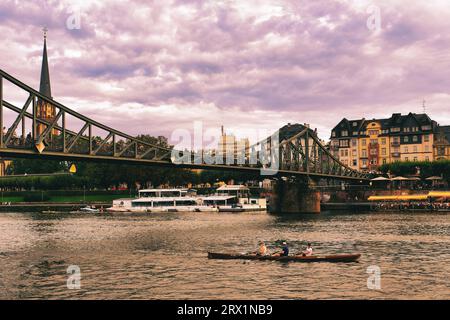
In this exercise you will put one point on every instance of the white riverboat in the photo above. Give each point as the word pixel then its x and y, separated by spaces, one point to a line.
pixel 162 200
pixel 235 198
pixel 228 198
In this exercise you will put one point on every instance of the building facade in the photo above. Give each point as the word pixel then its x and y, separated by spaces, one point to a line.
pixel 441 148
pixel 365 145
pixel 231 147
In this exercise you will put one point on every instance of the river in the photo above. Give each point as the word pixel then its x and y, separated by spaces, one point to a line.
pixel 164 256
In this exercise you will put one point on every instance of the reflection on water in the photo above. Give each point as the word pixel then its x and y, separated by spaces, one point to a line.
pixel 164 256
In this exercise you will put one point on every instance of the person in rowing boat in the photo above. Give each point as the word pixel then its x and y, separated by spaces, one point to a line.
pixel 308 251
pixel 262 249
pixel 284 251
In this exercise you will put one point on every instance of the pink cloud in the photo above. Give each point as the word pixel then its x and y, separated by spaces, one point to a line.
pixel 285 61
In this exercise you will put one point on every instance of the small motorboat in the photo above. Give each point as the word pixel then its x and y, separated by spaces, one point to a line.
pixel 90 209
pixel 297 258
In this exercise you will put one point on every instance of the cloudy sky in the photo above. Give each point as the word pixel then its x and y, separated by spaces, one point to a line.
pixel 156 66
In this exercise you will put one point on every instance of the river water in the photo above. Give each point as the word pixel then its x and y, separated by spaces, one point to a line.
pixel 164 256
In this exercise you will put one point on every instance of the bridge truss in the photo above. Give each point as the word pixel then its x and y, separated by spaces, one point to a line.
pixel 70 136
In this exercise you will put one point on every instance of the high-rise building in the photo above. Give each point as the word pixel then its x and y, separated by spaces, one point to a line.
pixel 233 148
pixel 366 144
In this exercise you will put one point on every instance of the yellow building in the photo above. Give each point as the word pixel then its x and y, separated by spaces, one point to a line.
pixel 366 144
pixel 441 145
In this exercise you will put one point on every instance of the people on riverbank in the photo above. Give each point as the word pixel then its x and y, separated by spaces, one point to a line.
pixel 412 205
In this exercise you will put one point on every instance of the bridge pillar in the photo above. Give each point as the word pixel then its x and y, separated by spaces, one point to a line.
pixel 294 197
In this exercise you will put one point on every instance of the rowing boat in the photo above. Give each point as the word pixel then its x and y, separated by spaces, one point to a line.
pixel 298 258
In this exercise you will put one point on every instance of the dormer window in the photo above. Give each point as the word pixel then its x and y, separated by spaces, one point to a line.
pixel 344 133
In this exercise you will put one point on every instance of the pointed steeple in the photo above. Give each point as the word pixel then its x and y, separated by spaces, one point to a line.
pixel 44 87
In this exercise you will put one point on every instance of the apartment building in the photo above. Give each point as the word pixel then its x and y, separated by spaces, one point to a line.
pixel 441 148
pixel 366 144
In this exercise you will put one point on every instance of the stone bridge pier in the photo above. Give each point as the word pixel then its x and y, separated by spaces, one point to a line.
pixel 294 197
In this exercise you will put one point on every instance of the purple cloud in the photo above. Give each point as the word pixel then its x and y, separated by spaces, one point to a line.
pixel 242 64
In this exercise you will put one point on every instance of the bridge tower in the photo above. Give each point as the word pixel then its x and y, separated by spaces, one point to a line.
pixel 294 196
pixel 44 109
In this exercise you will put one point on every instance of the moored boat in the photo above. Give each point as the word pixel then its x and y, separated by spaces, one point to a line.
pixel 297 258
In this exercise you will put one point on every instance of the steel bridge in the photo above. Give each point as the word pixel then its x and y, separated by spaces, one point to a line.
pixel 28 134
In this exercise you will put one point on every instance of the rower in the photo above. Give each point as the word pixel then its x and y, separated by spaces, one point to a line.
pixel 262 249
pixel 308 251
pixel 284 251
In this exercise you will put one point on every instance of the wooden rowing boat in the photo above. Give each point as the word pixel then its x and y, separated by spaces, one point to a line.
pixel 313 258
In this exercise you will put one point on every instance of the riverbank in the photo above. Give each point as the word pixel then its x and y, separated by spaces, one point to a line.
pixel 57 206
pixel 347 206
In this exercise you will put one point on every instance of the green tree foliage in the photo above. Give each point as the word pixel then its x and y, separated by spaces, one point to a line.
pixel 427 169
pixel 91 175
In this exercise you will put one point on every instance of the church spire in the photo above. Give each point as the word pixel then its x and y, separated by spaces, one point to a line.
pixel 44 87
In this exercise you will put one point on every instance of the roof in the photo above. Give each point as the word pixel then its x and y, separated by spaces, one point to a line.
pixel 232 187
pixel 44 87
pixel 291 130
pixel 218 198
pixel 394 198
pixel 396 120
pixel 443 132
pixel 162 190
pixel 164 199
pixel 439 194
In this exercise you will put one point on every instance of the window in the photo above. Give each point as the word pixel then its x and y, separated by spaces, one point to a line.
pixel 364 153
pixel 344 133
pixel 355 163
pixel 426 138
pixel 406 129
pixel 355 133
pixel 383 151
pixel 333 134
pixel 373 141
pixel 363 142
pixel 373 132
pixel 427 158
pixel 415 148
pixel 383 140
pixel 406 159
pixel 428 127
pixel 354 142
pixel 373 152
pixel 355 124
pixel 406 150
pixel 395 129
pixel 405 139
pixel 343 143
pixel 384 161
pixel 415 159
pixel 414 138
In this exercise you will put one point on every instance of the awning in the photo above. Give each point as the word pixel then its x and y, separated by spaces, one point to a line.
pixel 399 198
pixel 380 179
pixel 439 194
pixel 434 178
pixel 399 179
